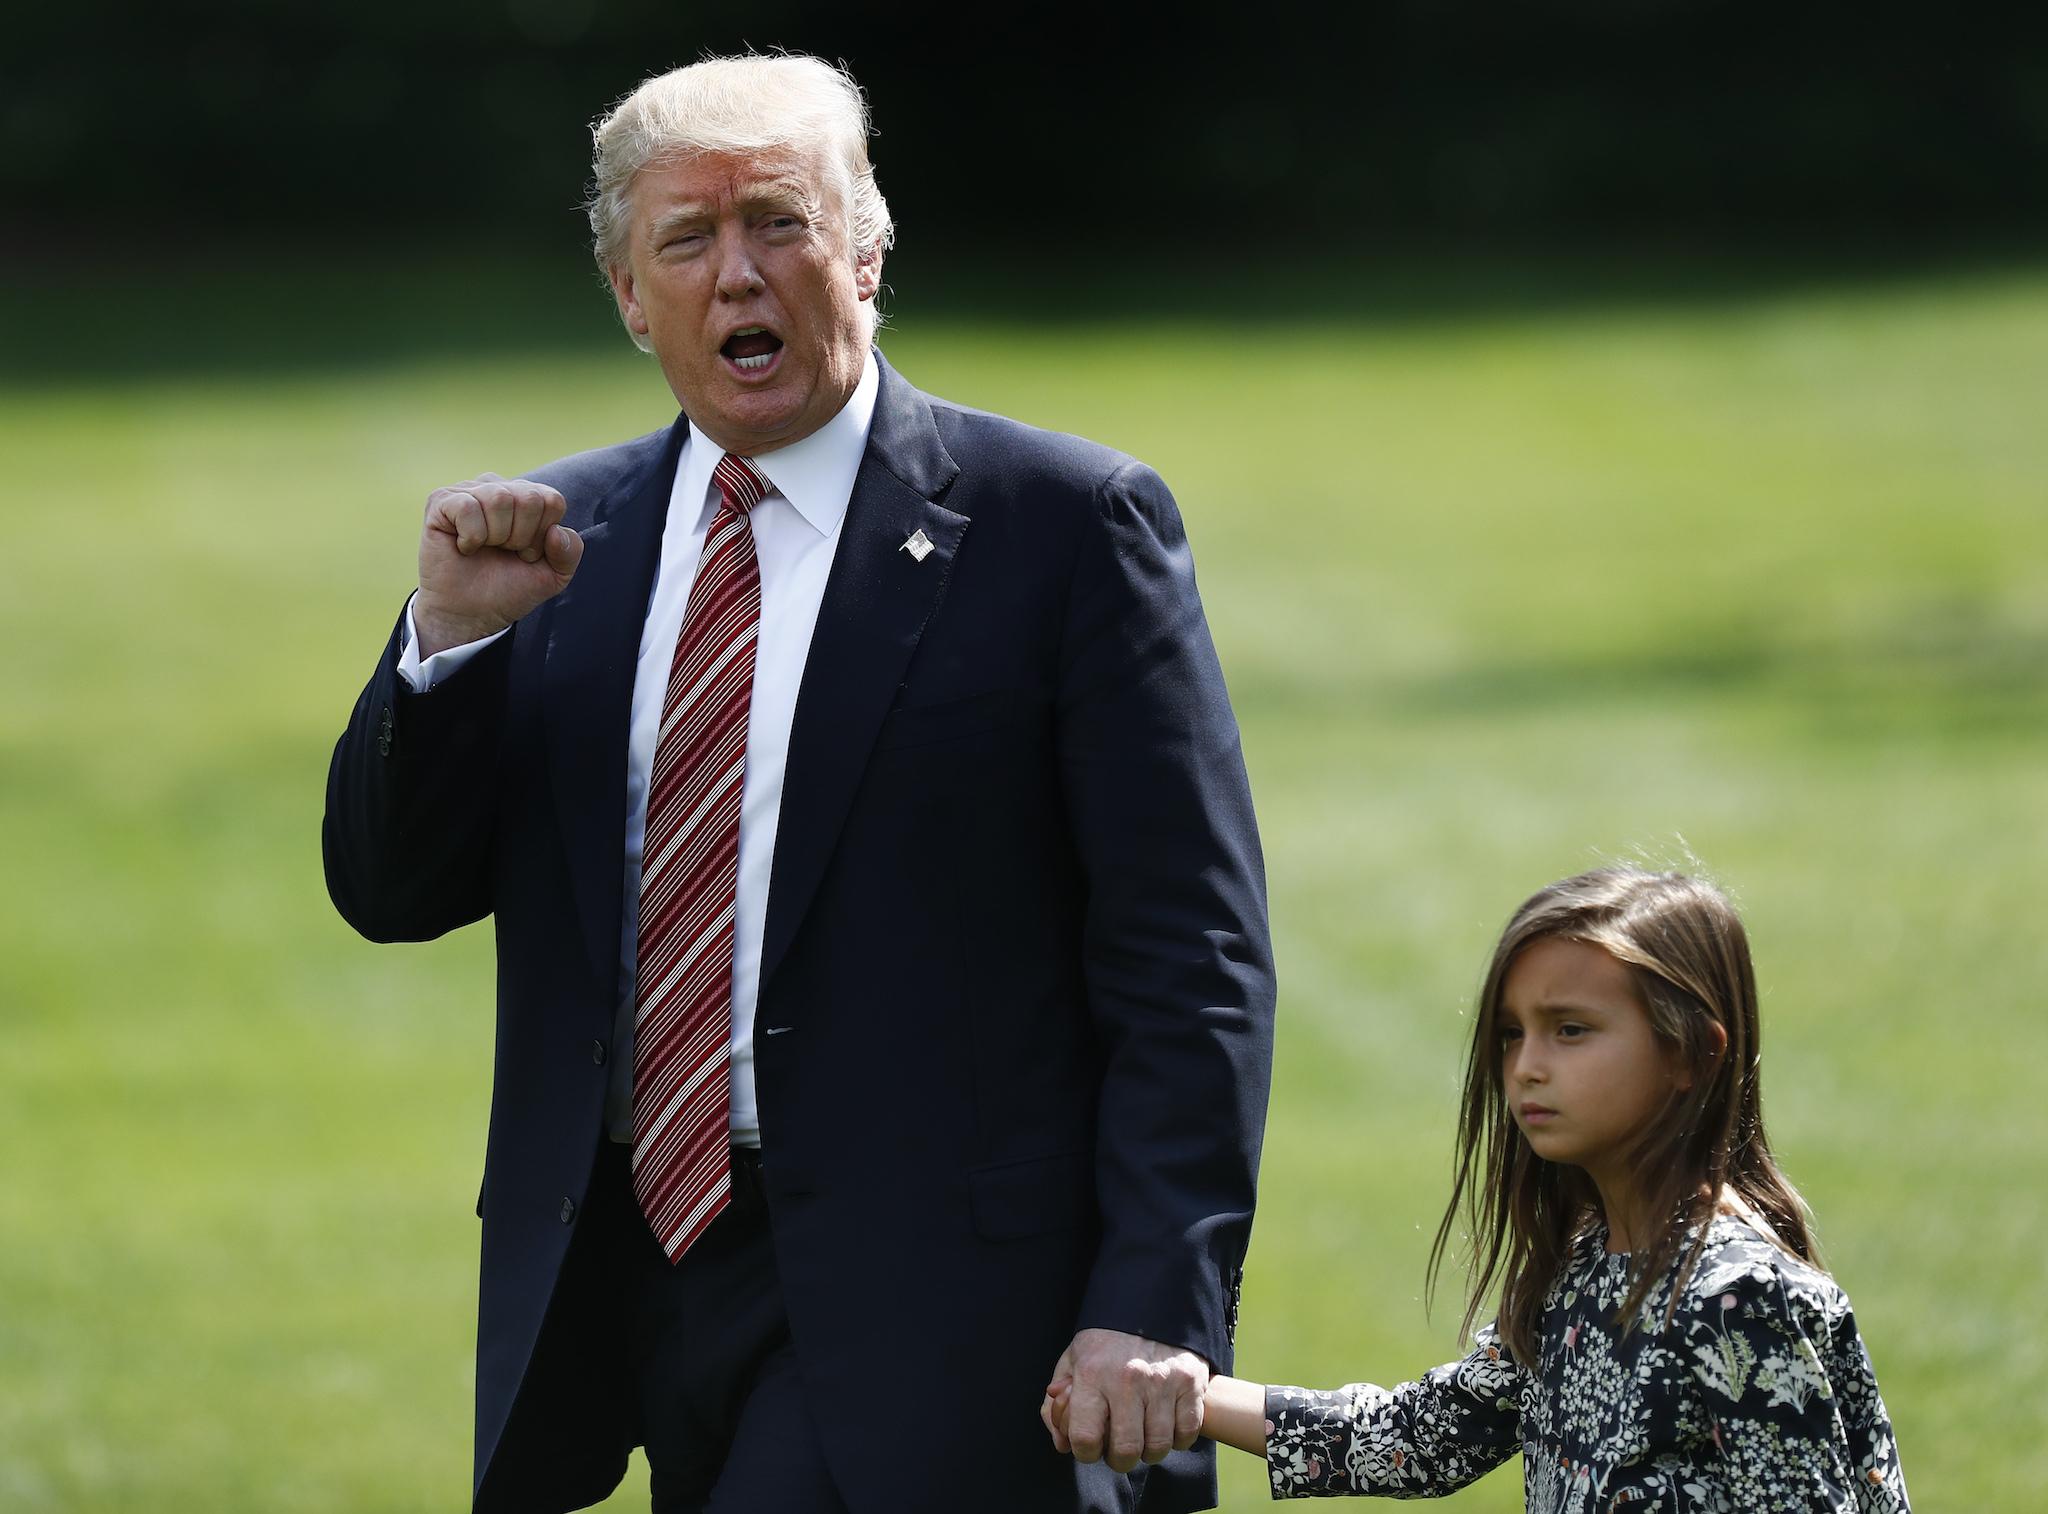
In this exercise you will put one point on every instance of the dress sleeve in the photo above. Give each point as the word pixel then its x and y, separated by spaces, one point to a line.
pixel 1795 1411
pixel 1419 1440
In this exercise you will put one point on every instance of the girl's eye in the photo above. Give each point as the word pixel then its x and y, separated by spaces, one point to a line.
pixel 1510 1033
pixel 1570 1032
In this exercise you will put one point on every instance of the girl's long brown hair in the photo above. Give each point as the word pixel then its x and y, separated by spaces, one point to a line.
pixel 1685 947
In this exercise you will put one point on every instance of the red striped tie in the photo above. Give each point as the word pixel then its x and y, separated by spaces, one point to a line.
pixel 682 1021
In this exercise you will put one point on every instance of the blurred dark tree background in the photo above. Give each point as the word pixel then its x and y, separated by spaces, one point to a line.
pixel 1223 130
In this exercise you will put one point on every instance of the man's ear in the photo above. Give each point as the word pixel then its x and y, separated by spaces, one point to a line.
pixel 620 277
pixel 867 274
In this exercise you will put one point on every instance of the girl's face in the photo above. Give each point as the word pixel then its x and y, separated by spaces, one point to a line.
pixel 1582 1069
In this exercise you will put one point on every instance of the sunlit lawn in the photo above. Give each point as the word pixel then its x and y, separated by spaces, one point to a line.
pixel 1763 576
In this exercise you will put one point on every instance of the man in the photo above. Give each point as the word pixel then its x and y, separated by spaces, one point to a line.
pixel 884 991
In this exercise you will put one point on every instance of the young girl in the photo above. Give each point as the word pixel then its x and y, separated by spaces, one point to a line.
pixel 1666 1338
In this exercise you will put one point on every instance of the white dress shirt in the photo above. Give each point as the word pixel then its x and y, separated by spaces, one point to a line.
pixel 796 532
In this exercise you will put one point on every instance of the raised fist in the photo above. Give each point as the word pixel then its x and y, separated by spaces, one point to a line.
pixel 491 549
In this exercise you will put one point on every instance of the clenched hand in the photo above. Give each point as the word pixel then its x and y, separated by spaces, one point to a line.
pixel 491 549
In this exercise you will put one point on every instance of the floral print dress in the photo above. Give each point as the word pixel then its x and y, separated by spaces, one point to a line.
pixel 1758 1397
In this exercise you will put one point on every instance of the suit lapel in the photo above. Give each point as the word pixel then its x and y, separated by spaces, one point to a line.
pixel 593 645
pixel 877 602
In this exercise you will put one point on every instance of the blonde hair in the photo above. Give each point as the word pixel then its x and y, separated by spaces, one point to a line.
pixel 747 104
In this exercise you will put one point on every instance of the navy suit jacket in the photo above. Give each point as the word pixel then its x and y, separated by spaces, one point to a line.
pixel 1016 955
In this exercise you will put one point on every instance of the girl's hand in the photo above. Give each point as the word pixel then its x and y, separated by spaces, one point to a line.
pixel 1053 1412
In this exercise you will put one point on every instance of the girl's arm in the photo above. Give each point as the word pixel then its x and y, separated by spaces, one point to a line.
pixel 1417 1440
pixel 1421 1439
pixel 1234 1414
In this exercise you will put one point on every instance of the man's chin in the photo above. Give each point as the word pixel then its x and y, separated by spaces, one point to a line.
pixel 761 420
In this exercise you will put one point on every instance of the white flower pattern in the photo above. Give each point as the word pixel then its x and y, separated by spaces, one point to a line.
pixel 1758 1397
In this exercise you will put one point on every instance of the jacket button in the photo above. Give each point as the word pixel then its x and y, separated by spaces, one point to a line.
pixel 597 1052
pixel 568 1210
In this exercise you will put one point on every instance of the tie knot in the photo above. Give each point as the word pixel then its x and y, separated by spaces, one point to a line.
pixel 739 483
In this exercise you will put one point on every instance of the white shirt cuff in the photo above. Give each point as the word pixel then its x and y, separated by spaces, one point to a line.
pixel 443 665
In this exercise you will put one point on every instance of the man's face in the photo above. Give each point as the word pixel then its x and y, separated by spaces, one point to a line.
pixel 740 275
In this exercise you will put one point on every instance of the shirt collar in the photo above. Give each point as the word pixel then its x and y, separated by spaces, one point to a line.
pixel 814 475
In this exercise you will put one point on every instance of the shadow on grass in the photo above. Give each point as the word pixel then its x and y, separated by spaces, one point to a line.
pixel 1951 672
pixel 287 310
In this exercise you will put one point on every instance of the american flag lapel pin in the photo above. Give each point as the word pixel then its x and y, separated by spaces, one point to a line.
pixel 918 545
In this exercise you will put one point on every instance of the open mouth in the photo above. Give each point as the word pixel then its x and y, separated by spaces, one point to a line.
pixel 751 349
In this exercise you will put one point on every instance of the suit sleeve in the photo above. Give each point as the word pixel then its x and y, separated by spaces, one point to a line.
pixel 412 799
pixel 1177 956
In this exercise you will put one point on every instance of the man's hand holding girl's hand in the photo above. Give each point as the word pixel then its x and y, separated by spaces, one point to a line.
pixel 1231 1412
pixel 1122 1399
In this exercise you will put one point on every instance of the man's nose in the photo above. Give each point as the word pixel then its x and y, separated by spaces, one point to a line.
pixel 737 276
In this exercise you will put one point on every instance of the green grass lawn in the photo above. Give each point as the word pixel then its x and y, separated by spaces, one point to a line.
pixel 1501 592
